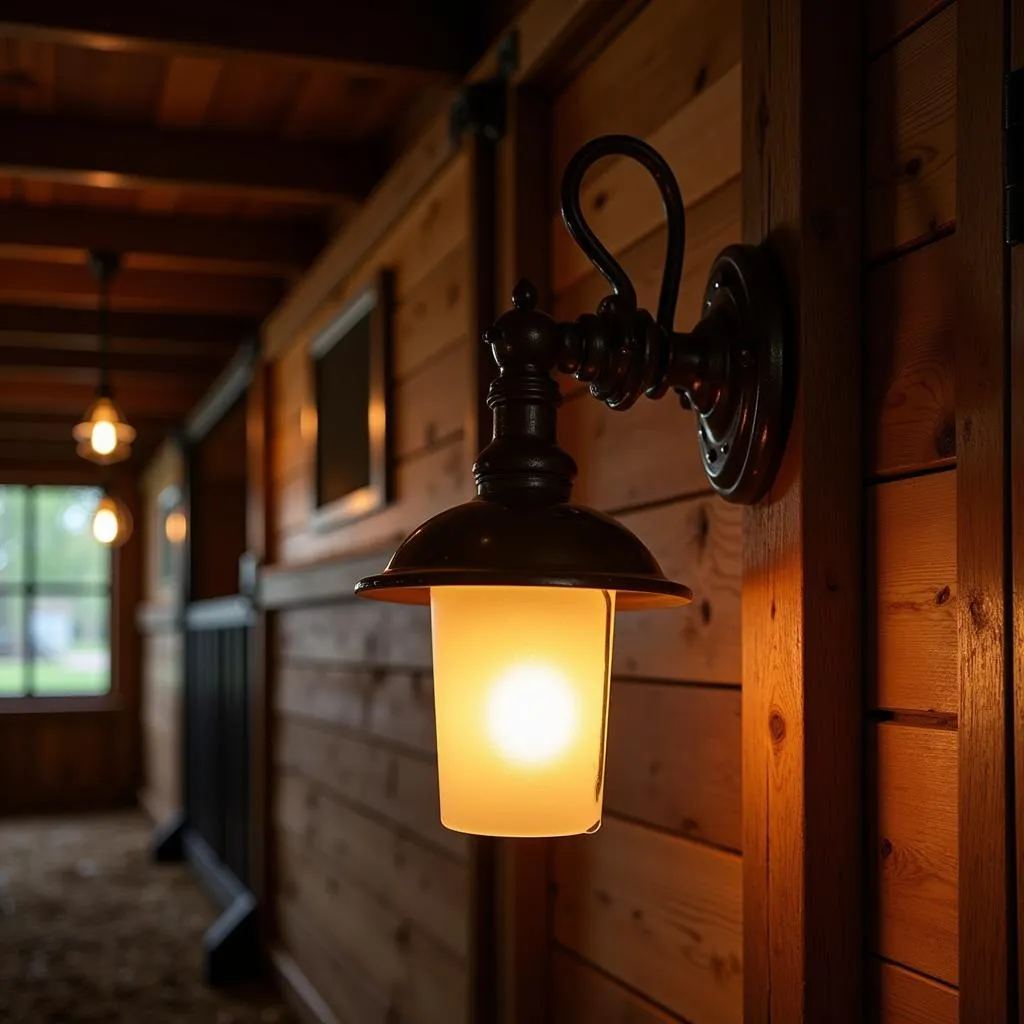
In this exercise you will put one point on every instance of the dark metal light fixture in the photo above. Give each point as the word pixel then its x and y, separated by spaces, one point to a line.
pixel 103 436
pixel 523 583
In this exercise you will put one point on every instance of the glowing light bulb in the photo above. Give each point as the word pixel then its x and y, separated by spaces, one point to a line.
pixel 531 714
pixel 521 688
pixel 105 525
pixel 103 438
pixel 175 526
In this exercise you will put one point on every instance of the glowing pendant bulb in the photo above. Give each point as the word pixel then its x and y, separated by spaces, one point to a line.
pixel 104 437
pixel 111 523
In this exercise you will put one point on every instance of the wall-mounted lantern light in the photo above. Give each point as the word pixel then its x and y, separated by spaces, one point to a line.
pixel 111 522
pixel 523 584
pixel 103 436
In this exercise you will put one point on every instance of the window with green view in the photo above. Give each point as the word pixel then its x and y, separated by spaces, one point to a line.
pixel 54 594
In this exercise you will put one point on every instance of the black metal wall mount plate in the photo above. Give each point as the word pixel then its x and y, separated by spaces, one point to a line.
pixel 743 436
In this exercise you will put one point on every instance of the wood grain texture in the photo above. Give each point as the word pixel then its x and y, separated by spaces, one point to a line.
pixel 699 542
pixel 711 224
pixel 581 993
pixel 424 485
pixel 889 19
pixel 431 405
pixel 670 53
pixel 912 137
pixel 674 759
pixel 903 997
pixel 418 979
pixel 701 143
pixel 987 921
pixel 1016 495
pixel 390 705
pixel 914 863
pixel 397 787
pixel 432 314
pixel 368 634
pixel 428 887
pixel 802 564
pixel 913 576
pixel 658 912
pixel 341 985
pixel 911 408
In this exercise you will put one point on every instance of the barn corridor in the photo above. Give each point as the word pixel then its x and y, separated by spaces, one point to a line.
pixel 92 930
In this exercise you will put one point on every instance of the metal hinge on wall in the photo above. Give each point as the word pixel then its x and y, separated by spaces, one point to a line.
pixel 480 107
pixel 1014 156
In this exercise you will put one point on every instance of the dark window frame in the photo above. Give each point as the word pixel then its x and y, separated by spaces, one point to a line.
pixel 376 302
pixel 30 587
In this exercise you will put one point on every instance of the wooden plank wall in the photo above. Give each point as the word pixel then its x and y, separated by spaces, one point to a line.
pixel 647 913
pixel 912 696
pixel 372 893
pixel 162 650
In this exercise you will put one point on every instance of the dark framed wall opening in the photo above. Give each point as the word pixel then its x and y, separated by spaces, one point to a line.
pixel 55 594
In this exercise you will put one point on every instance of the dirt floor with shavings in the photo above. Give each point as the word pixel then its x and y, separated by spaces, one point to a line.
pixel 92 930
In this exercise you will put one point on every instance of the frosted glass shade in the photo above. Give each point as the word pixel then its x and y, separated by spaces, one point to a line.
pixel 521 687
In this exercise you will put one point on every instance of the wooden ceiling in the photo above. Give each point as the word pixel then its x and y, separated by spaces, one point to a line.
pixel 214 145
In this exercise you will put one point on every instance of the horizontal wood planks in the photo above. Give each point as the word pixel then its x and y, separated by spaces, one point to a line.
pixel 647 919
pixel 911 415
pixel 913 578
pixel 373 899
pixel 911 137
pixel 903 997
pixel 161 709
pixel 915 861
pixel 660 913
pixel 581 992
pixel 912 513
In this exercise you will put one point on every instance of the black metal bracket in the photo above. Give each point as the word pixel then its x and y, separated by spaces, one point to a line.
pixel 734 369
pixel 481 108
pixel 1014 156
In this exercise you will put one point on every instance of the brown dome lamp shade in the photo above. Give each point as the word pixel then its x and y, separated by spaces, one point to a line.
pixel 522 582
pixel 103 436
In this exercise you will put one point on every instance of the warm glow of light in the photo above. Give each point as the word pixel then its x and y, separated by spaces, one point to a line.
pixel 307 424
pixel 531 714
pixel 521 686
pixel 105 525
pixel 103 438
pixel 175 526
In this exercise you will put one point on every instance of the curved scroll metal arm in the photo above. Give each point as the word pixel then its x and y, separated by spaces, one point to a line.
pixel 583 235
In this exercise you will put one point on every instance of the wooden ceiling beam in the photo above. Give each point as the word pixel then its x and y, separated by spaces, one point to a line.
pixel 84 324
pixel 66 285
pixel 33 391
pixel 57 427
pixel 210 353
pixel 76 359
pixel 158 242
pixel 406 39
pixel 106 155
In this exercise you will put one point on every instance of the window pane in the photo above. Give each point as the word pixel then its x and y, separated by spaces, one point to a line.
pixel 71 641
pixel 13 656
pixel 66 551
pixel 12 534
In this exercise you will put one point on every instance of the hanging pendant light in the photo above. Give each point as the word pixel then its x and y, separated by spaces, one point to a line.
pixel 111 522
pixel 103 436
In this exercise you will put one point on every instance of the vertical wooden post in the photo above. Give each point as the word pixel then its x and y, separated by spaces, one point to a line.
pixel 1016 399
pixel 802 585
pixel 524 251
pixel 987 925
